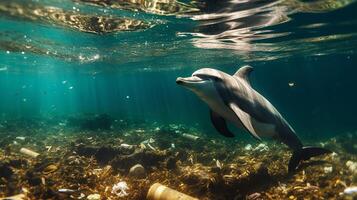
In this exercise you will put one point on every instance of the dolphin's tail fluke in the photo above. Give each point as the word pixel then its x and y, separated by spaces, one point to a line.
pixel 304 154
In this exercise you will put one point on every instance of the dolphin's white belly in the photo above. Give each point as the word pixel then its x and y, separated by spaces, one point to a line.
pixel 216 104
pixel 263 129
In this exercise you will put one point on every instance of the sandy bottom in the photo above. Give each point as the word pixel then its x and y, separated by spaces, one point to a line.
pixel 81 164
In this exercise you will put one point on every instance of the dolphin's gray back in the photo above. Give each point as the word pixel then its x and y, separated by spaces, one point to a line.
pixel 236 90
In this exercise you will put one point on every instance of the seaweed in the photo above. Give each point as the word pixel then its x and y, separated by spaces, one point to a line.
pixel 76 163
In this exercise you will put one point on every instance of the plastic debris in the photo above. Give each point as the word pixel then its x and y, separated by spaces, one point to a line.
pixel 20 138
pixel 161 192
pixel 137 171
pixel 218 163
pixel 29 152
pixel 352 166
pixel 254 196
pixel 248 147
pixel 81 196
pixel 50 169
pixel 334 156
pixel 120 189
pixel 328 169
pixel 94 197
pixel 64 190
pixel 261 147
pixel 190 136
pixel 350 190
pixel 147 143
pixel 126 146
pixel 15 197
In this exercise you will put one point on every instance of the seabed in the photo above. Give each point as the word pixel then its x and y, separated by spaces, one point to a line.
pixel 85 158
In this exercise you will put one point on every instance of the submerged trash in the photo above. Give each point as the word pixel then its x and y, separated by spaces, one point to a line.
pixel 49 169
pixel 248 147
pixel 254 196
pixel 261 147
pixel 64 190
pixel 20 138
pixel 161 192
pixel 29 152
pixel 127 146
pixel 16 197
pixel 218 163
pixel 147 143
pixel 352 166
pixel 190 136
pixel 94 197
pixel 328 169
pixel 137 171
pixel 350 190
pixel 120 189
pixel 88 163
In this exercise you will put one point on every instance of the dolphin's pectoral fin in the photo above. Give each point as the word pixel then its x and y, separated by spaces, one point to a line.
pixel 245 119
pixel 220 124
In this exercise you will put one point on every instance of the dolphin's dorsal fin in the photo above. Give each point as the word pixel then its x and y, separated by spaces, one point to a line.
pixel 244 72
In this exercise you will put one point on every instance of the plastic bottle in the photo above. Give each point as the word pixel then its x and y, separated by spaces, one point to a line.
pixel 161 192
pixel 29 152
pixel 190 136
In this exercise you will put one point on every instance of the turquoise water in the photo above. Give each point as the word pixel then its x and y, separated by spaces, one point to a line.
pixel 91 86
pixel 55 65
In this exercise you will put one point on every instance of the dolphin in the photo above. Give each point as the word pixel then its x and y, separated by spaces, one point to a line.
pixel 232 98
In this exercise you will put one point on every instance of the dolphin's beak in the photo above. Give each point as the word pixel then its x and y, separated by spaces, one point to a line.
pixel 192 79
pixel 179 80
